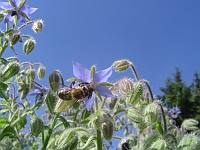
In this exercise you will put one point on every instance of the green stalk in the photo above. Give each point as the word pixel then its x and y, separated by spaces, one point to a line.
pixel 148 86
pixel 49 133
pixel 164 119
pixel 134 72
pixel 99 140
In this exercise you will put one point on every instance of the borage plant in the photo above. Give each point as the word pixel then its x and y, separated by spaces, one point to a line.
pixel 89 113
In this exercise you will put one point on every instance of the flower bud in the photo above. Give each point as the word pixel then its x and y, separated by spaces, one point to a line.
pixel 121 65
pixel 14 37
pixel 10 70
pixel 25 92
pixel 54 80
pixel 38 26
pixel 41 72
pixel 138 89
pixel 37 126
pixel 126 86
pixel 30 75
pixel 135 115
pixel 112 102
pixel 26 104
pixel 29 46
pixel 107 127
pixel 151 112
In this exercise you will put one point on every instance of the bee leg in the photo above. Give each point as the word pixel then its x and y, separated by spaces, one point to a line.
pixel 73 82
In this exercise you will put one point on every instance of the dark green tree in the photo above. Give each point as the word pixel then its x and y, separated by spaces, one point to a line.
pixel 195 97
pixel 177 93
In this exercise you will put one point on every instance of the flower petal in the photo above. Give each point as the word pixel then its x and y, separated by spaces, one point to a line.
pixel 21 19
pixel 81 72
pixel 89 102
pixel 102 76
pixel 16 2
pixel 8 18
pixel 34 92
pixel 104 91
pixel 6 5
pixel 27 9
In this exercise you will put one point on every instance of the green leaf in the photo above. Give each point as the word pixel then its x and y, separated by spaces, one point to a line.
pixel 64 121
pixel 3 94
pixel 8 32
pixel 8 131
pixel 3 86
pixel 68 140
pixel 3 122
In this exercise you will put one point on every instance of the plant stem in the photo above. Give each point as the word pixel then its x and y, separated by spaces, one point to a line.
pixel 96 104
pixel 49 133
pixel 134 72
pixel 164 119
pixel 99 140
pixel 148 86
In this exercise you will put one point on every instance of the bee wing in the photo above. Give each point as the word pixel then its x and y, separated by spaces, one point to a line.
pixel 64 105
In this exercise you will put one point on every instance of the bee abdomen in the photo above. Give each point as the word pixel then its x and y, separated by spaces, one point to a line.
pixel 64 95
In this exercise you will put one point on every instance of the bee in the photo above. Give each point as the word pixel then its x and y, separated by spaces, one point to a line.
pixel 81 91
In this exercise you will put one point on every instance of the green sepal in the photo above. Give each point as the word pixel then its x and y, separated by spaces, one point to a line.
pixel 107 84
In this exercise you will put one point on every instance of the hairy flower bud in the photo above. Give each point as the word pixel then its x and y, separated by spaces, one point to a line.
pixel 41 72
pixel 54 80
pixel 121 65
pixel 152 112
pixel 24 92
pixel 37 126
pixel 10 70
pixel 138 89
pixel 26 104
pixel 30 75
pixel 14 37
pixel 112 102
pixel 126 86
pixel 135 115
pixel 107 127
pixel 38 26
pixel 29 45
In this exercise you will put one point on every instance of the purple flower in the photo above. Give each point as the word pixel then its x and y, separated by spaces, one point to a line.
pixel 39 92
pixel 95 79
pixel 174 112
pixel 18 9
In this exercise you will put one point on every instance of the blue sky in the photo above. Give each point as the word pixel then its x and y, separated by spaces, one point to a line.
pixel 155 35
